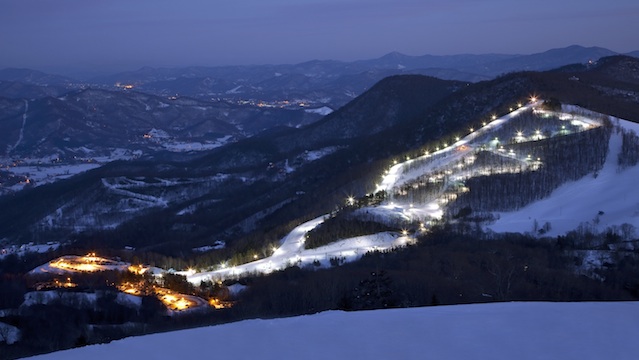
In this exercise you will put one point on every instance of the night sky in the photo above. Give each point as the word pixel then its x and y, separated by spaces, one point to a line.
pixel 128 34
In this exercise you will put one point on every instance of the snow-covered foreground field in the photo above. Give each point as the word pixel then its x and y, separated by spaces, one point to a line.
pixel 484 331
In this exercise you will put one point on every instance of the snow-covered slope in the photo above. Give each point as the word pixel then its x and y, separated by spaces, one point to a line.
pixel 610 192
pixel 488 331
pixel 609 186
pixel 292 252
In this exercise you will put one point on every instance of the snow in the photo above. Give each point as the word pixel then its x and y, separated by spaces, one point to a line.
pixel 73 264
pixel 292 252
pixel 46 297
pixel 447 155
pixel 24 122
pixel 82 299
pixel 28 248
pixel 175 145
pixel 324 110
pixel 235 90
pixel 580 201
pixel 320 153
pixel 236 288
pixel 9 334
pixel 43 174
pixel 216 246
pixel 606 330
pixel 158 134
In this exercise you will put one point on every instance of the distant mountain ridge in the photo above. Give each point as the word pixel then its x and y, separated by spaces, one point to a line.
pixel 322 82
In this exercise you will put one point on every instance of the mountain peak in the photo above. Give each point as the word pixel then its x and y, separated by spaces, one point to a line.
pixel 395 55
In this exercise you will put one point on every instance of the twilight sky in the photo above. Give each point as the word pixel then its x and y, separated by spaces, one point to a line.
pixel 128 34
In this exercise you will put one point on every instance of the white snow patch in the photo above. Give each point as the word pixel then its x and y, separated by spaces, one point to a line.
pixel 324 110
pixel 318 154
pixel 236 288
pixel 216 246
pixel 28 248
pixel 158 134
pixel 235 90
pixel 9 334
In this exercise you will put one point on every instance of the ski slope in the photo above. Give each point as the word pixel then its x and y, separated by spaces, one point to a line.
pixel 396 174
pixel 496 331
pixel 292 251
pixel 575 202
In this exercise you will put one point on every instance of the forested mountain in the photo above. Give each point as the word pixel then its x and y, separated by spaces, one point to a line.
pixel 414 178
pixel 289 174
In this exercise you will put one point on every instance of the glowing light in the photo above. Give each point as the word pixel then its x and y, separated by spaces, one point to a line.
pixel 533 99
pixel 494 117
pixel 456 138
pixel 483 123
pixel 471 129
pixel 350 201
pixel 219 304
pixel 519 105
pixel 255 256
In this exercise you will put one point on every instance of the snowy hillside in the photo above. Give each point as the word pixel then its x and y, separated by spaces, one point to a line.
pixel 602 201
pixel 447 169
pixel 489 331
